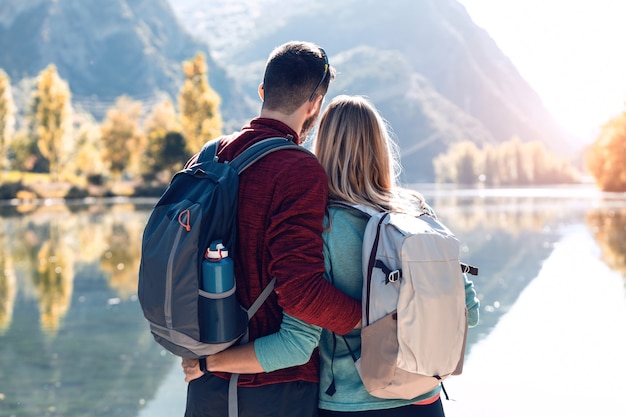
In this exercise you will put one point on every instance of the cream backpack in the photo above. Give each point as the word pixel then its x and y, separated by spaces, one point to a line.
pixel 414 314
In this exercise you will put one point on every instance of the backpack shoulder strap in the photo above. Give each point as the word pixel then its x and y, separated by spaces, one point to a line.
pixel 262 148
pixel 362 210
pixel 209 151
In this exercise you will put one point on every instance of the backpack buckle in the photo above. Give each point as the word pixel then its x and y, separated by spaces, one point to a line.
pixel 394 276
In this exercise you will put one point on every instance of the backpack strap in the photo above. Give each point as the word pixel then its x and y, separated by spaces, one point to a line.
pixel 358 208
pixel 251 154
pixel 209 151
pixel 233 408
pixel 370 211
pixel 262 148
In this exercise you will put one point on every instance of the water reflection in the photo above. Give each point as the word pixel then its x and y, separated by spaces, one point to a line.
pixel 609 229
pixel 73 341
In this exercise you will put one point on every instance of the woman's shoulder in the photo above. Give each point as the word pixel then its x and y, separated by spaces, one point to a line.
pixel 344 221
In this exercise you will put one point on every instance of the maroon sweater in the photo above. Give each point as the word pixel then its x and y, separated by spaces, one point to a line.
pixel 282 199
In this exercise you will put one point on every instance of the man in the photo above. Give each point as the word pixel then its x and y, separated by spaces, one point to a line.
pixel 282 199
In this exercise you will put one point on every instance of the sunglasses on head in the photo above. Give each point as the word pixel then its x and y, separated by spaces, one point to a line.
pixel 326 67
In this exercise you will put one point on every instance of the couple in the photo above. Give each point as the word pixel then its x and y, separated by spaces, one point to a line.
pixel 285 230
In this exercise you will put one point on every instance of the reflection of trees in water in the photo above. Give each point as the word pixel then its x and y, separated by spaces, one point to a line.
pixel 103 360
pixel 54 277
pixel 122 251
pixel 43 250
pixel 608 226
pixel 48 243
pixel 511 214
pixel 8 284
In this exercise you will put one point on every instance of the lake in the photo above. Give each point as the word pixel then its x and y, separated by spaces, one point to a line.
pixel 551 341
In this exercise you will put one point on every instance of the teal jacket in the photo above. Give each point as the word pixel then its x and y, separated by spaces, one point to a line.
pixel 296 340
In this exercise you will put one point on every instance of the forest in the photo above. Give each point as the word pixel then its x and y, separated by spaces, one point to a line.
pixel 60 152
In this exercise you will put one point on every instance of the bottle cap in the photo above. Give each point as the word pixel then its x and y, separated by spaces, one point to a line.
pixel 216 250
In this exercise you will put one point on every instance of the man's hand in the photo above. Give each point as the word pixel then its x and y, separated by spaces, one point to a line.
pixel 191 368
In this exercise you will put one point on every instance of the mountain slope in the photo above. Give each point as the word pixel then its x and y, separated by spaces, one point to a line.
pixel 104 49
pixel 435 75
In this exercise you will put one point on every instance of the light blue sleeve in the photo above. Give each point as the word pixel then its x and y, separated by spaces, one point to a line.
pixel 472 302
pixel 292 345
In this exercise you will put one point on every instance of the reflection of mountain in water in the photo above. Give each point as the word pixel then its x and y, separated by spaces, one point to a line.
pixel 507 265
pixel 508 239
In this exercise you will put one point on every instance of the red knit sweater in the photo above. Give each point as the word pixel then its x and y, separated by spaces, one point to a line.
pixel 282 199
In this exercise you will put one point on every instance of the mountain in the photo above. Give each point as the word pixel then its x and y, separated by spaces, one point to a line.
pixel 104 49
pixel 435 76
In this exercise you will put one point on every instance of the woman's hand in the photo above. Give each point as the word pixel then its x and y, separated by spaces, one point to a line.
pixel 191 368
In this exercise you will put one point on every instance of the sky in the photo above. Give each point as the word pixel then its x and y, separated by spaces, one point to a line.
pixel 571 52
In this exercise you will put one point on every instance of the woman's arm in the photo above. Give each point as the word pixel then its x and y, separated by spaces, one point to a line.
pixel 292 345
pixel 472 302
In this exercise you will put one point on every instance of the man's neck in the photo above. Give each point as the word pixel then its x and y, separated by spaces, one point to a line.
pixel 294 120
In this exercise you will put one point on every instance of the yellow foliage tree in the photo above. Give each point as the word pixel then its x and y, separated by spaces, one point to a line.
pixel 198 105
pixel 510 163
pixel 7 117
pixel 606 157
pixel 88 152
pixel 162 152
pixel 122 140
pixel 52 113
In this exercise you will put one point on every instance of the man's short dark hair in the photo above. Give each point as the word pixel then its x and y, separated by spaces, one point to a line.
pixel 292 72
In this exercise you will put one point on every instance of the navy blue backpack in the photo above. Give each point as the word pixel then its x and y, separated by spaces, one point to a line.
pixel 198 207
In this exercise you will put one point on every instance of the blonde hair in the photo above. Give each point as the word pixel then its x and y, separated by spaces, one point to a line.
pixel 354 146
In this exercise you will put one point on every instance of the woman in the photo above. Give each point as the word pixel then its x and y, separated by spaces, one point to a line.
pixel 350 133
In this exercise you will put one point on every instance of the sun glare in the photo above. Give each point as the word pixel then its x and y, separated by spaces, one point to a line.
pixel 570 52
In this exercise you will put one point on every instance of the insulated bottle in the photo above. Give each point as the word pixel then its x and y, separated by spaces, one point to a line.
pixel 218 274
pixel 222 319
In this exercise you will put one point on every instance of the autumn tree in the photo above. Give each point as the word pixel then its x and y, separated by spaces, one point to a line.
pixel 165 143
pixel 7 118
pixel 88 154
pixel 52 118
pixel 121 136
pixel 606 157
pixel 198 105
pixel 460 164
pixel 511 163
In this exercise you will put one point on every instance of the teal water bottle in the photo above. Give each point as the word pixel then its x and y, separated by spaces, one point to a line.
pixel 222 319
pixel 218 275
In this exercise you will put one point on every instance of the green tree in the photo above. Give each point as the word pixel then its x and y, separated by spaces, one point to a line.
pixel 198 105
pixel 165 143
pixel 122 139
pixel 606 157
pixel 7 118
pixel 52 118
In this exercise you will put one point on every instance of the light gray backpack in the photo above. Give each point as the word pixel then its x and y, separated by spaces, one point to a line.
pixel 414 314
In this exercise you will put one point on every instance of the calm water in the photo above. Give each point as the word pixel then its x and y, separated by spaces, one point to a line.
pixel 552 337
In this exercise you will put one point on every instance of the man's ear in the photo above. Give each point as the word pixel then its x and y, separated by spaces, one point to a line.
pixel 261 92
pixel 315 104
